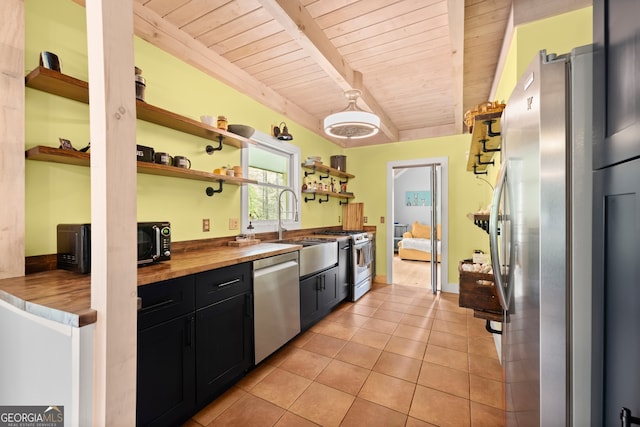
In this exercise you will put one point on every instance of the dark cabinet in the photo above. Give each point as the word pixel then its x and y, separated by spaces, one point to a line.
pixel 195 339
pixel 329 293
pixel 166 373
pixel 165 368
pixel 616 213
pixel 318 295
pixel 616 245
pixel 344 260
pixel 309 301
pixel 616 81
pixel 224 329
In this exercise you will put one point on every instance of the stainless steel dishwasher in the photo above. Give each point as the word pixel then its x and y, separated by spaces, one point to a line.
pixel 276 296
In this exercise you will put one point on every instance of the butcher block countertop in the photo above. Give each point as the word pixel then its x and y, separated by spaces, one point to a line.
pixel 65 297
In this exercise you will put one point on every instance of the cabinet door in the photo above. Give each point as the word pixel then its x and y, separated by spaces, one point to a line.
pixel 344 279
pixel 310 301
pixel 166 373
pixel 329 293
pixel 224 345
pixel 616 293
pixel 616 81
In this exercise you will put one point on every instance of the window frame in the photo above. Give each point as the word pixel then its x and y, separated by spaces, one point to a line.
pixel 270 143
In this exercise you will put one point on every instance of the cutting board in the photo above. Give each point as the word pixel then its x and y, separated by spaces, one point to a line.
pixel 353 216
pixel 243 242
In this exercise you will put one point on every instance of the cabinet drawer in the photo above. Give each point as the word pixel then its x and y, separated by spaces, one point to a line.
pixel 165 300
pixel 222 283
pixel 478 291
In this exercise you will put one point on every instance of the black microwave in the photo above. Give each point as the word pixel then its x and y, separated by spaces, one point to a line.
pixel 74 245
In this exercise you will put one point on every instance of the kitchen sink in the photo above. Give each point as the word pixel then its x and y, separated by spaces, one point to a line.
pixel 316 254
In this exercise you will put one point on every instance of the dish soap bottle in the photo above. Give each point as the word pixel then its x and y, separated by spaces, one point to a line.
pixel 250 233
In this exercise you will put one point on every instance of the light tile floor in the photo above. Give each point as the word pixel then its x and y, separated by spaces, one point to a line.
pixel 400 356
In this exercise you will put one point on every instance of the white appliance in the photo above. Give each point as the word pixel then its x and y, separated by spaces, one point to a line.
pixel 540 234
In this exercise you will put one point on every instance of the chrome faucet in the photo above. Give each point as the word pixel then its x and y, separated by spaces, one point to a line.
pixel 280 227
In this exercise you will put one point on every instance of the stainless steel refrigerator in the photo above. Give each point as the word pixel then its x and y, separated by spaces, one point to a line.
pixel 540 234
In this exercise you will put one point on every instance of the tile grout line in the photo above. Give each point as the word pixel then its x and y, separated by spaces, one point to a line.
pixel 437 308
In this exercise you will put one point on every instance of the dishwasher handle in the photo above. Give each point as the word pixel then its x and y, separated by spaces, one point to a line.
pixel 272 268
pixel 262 263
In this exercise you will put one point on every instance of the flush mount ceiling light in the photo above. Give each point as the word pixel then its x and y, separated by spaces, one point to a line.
pixel 352 123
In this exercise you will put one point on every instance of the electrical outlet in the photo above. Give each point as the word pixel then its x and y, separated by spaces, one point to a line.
pixel 206 225
pixel 366 219
pixel 381 220
pixel 233 223
pixel 339 219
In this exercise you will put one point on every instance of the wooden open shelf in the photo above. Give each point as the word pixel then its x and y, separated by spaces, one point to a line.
pixel 479 164
pixel 326 169
pixel 69 87
pixel 77 158
pixel 319 168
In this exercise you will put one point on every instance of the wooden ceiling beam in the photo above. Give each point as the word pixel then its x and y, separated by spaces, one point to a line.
pixel 301 26
pixel 152 28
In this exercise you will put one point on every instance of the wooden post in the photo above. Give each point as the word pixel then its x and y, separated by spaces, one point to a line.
pixel 12 181
pixel 113 209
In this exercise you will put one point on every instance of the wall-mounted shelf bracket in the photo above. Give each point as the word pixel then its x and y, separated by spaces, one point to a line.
pixel 475 171
pixel 211 191
pixel 211 149
pixel 490 132
pixel 487 150
pixel 324 200
pixel 346 181
pixel 480 162
pixel 310 199
pixel 307 173
pixel 346 202
pixel 482 223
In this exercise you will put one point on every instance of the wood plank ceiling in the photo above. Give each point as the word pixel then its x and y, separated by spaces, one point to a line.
pixel 419 63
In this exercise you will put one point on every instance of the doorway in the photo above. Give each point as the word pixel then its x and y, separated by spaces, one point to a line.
pixel 417 193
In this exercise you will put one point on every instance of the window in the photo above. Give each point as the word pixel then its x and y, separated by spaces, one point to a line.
pixel 275 165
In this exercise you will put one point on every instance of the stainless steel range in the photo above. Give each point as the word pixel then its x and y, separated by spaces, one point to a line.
pixel 360 262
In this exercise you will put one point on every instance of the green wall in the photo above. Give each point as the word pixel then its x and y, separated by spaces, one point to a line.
pixel 466 193
pixel 60 193
pixel 558 34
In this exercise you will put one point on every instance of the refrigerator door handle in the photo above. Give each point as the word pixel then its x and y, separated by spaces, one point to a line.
pixel 627 419
pixel 493 237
